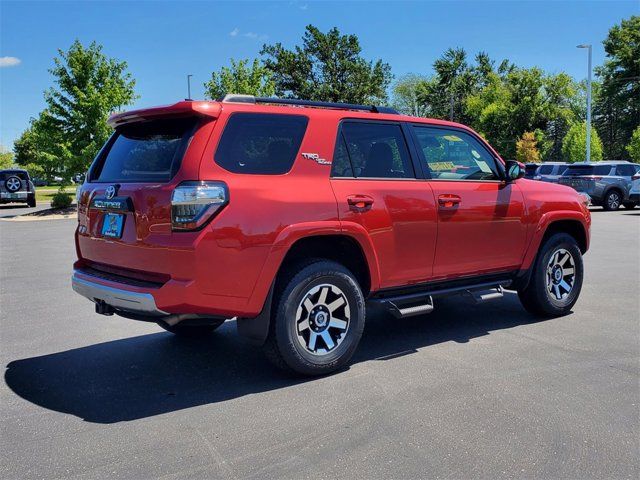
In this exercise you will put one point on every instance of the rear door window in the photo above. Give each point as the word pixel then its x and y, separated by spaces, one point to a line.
pixel 374 150
pixel 145 151
pixel 260 143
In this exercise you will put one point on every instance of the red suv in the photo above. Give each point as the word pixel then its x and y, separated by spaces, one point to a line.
pixel 293 216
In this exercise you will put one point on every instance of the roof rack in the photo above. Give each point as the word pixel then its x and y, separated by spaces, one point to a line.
pixel 236 98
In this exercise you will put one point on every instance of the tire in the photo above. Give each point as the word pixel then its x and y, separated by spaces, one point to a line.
pixel 318 317
pixel 546 295
pixel 31 202
pixel 191 331
pixel 612 200
pixel 629 205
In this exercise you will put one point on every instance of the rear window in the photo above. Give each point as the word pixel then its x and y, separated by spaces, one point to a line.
pixel 145 151
pixel 576 170
pixel 260 143
pixel 545 170
pixel 9 173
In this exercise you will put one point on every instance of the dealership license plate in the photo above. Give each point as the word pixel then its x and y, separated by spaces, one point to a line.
pixel 112 225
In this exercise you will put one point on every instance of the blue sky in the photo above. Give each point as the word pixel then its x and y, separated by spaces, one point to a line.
pixel 163 41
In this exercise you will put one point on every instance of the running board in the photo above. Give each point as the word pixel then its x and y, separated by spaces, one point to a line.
pixel 419 303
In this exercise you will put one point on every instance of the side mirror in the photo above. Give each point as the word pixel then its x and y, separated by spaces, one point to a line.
pixel 515 170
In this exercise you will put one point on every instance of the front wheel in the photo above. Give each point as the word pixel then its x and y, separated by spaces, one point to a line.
pixel 318 318
pixel 556 279
pixel 612 200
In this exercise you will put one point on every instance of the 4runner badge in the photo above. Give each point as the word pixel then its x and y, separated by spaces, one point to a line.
pixel 316 158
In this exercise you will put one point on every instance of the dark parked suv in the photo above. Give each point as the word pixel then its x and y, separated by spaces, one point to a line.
pixel 16 187
pixel 607 183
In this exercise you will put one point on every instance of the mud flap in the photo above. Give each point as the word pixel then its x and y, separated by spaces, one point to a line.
pixel 256 330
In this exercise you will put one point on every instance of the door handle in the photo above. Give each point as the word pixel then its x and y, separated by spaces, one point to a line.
pixel 449 200
pixel 359 203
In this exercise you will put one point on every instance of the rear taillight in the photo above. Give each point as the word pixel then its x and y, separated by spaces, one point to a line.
pixel 193 204
pixel 636 177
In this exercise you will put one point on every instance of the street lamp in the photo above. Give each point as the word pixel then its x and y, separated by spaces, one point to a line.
pixel 588 103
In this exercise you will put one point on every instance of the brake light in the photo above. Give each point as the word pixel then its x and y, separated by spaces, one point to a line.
pixel 193 204
pixel 636 177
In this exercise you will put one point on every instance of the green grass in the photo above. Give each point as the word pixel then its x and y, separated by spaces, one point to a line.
pixel 45 194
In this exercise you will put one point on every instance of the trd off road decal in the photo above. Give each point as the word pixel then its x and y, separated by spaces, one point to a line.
pixel 316 158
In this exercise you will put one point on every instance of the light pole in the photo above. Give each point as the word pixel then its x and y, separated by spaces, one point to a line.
pixel 588 103
pixel 189 86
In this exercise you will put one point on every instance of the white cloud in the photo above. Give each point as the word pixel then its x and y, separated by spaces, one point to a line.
pixel 252 35
pixel 9 61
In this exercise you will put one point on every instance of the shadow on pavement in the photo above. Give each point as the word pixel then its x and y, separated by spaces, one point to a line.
pixel 158 373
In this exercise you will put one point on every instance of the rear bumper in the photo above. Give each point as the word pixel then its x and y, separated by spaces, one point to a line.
pixel 118 298
pixel 6 197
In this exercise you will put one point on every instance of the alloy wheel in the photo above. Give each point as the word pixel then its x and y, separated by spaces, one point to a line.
pixel 613 200
pixel 322 319
pixel 560 274
pixel 13 184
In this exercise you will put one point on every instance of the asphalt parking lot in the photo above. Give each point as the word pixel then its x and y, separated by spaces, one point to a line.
pixel 468 391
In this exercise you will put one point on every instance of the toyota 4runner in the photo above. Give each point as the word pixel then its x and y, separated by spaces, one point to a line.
pixel 292 217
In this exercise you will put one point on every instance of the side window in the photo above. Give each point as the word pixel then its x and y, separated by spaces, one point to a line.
pixel 260 143
pixel 545 170
pixel 377 150
pixel 625 170
pixel 455 155
pixel 603 170
pixel 341 165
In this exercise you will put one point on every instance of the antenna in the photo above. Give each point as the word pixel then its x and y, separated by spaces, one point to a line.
pixel 189 87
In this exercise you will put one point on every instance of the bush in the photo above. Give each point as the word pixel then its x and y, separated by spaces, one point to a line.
pixel 61 199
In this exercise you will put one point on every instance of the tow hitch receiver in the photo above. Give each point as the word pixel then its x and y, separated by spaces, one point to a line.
pixel 103 308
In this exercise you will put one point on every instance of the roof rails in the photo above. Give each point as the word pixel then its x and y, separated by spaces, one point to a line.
pixel 236 98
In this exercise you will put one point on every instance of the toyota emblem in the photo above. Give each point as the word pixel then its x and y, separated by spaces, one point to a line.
pixel 111 191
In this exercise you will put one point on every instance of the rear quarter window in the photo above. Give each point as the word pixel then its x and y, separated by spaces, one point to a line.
pixel 260 143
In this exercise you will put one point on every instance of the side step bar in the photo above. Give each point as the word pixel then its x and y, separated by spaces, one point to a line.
pixel 419 303
pixel 479 296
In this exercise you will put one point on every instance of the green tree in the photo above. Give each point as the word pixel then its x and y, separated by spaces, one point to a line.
pixel 560 97
pixel 406 95
pixel 574 145
pixel 526 148
pixel 617 110
pixel 509 106
pixel 6 159
pixel 327 67
pixel 88 87
pixel 241 78
pixel 42 148
pixel 633 149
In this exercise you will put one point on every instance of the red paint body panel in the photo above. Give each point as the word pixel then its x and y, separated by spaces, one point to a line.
pixel 410 231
